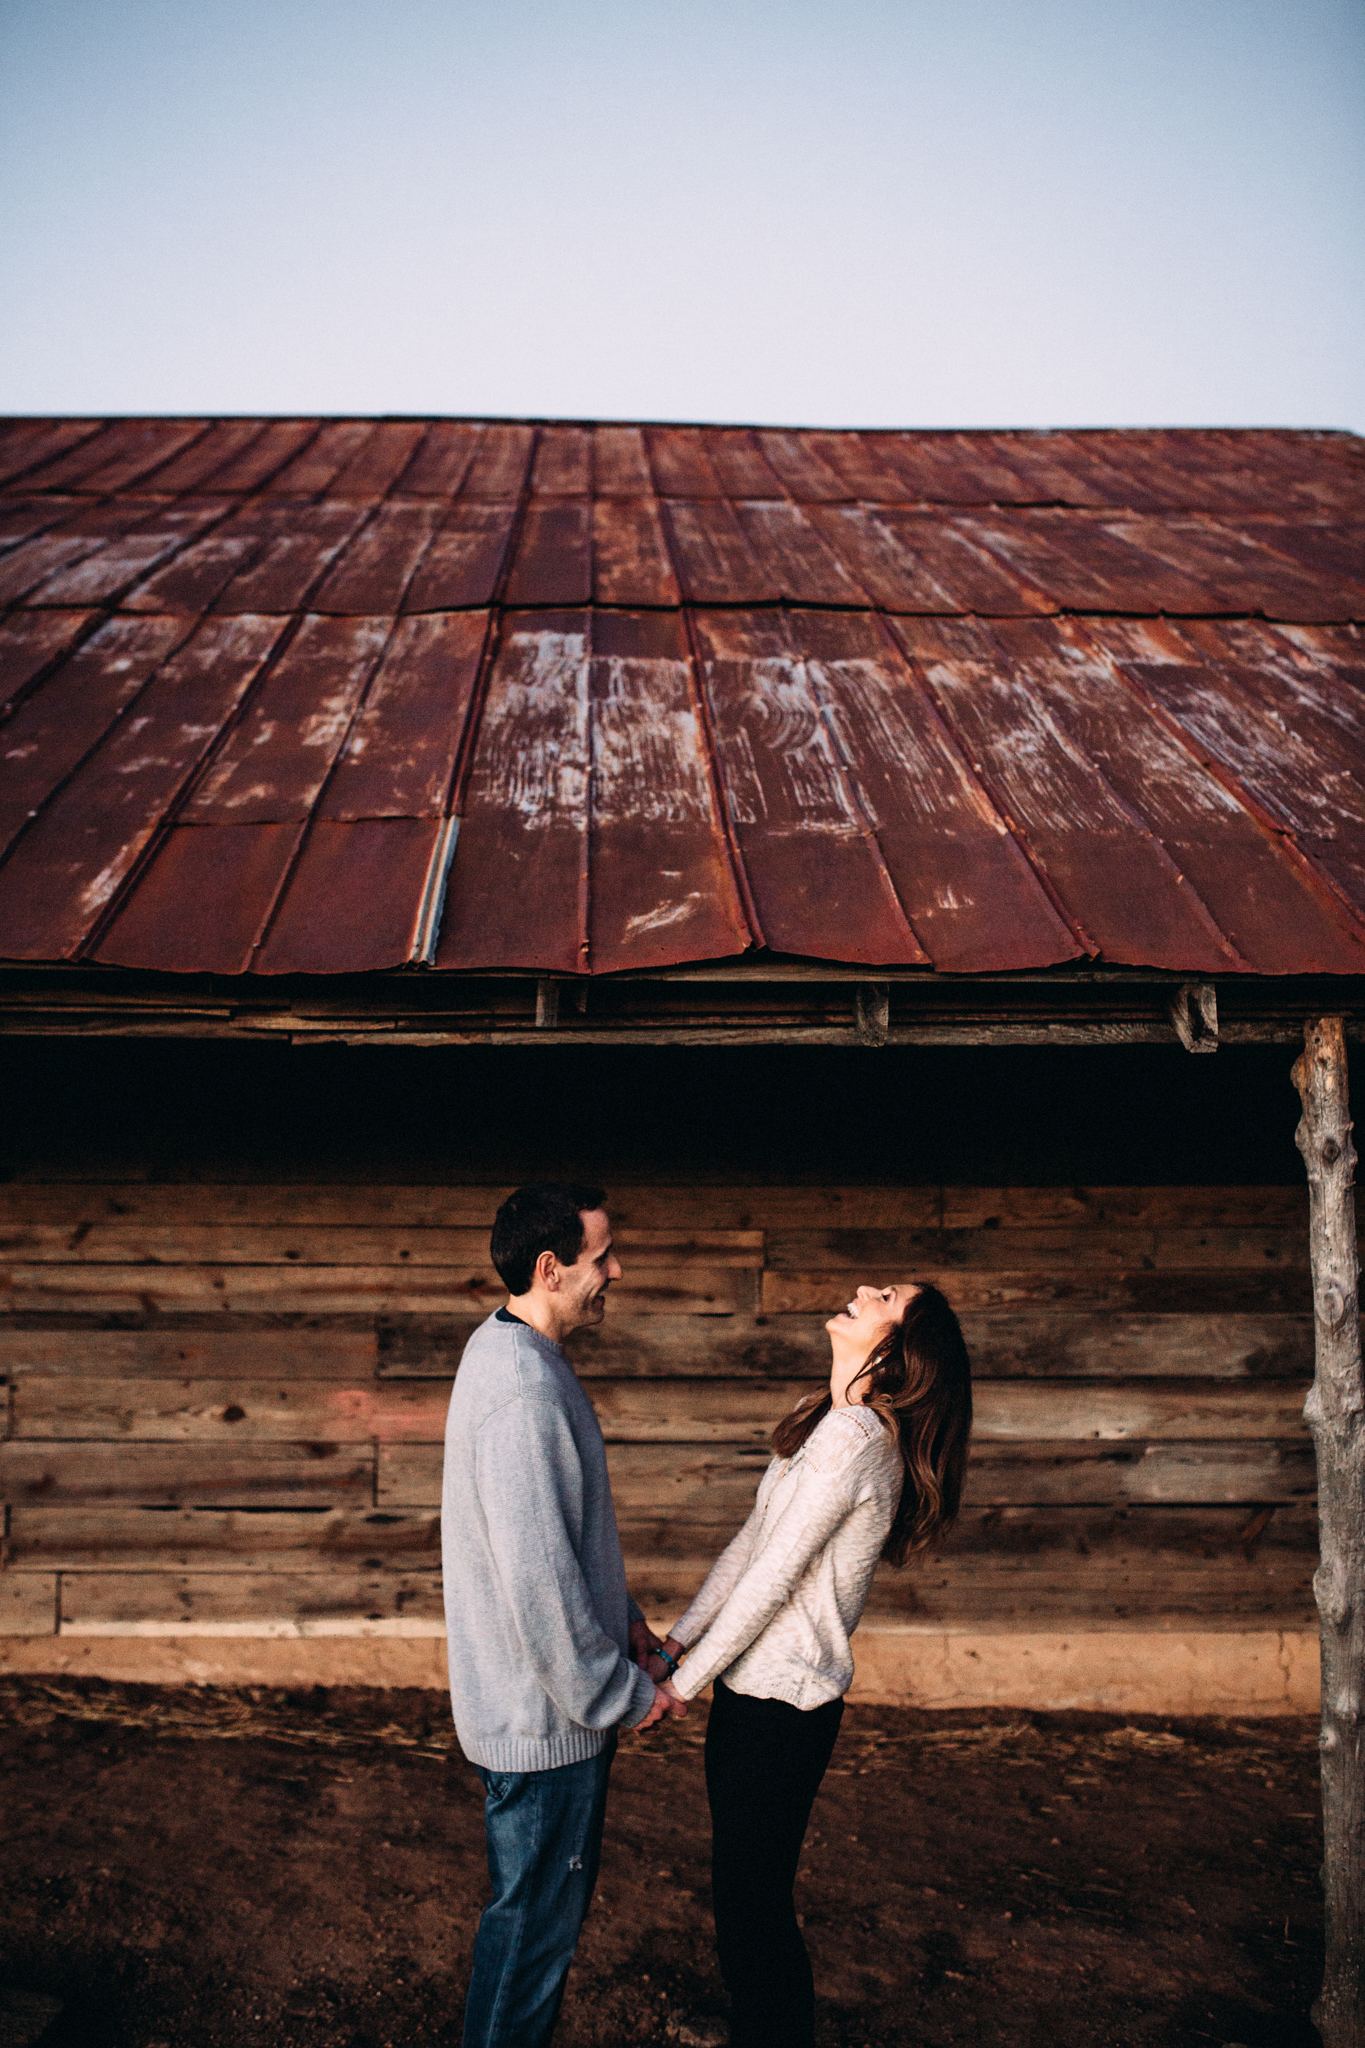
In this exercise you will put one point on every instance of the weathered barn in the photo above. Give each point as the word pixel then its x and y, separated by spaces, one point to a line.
pixel 835 842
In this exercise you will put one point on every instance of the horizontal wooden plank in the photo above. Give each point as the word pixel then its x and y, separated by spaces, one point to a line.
pixel 1096 1582
pixel 655 1484
pixel 1242 1208
pixel 650 1207
pixel 672 1206
pixel 1049 1531
pixel 344 1290
pixel 1061 1341
pixel 1021 1342
pixel 1057 1539
pixel 631 1346
pixel 83 1538
pixel 692 1410
pixel 229 1410
pixel 1049 1342
pixel 123 1242
pixel 1000 1475
pixel 75 1202
pixel 1153 1410
pixel 242 1603
pixel 1202 1531
pixel 28 1603
pixel 1118 1248
pixel 187 1475
pixel 1156 1293
pixel 259 1351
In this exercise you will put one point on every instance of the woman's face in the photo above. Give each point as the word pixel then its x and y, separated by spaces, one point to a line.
pixel 867 1319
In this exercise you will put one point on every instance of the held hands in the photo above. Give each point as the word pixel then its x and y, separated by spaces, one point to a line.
pixel 667 1703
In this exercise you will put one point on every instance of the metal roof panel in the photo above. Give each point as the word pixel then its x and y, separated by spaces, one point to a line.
pixel 463 563
pixel 203 903
pixel 275 760
pixel 399 757
pixel 518 894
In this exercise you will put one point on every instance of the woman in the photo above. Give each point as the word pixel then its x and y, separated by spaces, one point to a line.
pixel 871 1467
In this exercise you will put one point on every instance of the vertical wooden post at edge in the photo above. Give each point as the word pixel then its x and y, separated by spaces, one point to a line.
pixel 1335 1411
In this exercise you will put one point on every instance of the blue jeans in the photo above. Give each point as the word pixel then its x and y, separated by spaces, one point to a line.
pixel 544 1832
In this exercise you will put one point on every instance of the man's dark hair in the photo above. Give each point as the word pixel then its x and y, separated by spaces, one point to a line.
pixel 545 1217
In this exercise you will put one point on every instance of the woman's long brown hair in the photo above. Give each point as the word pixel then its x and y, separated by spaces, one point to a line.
pixel 919 1380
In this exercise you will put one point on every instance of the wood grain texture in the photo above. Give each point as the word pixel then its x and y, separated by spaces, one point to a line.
pixel 1100 1568
pixel 1334 1411
pixel 1006 1344
pixel 342 1290
pixel 1012 1343
pixel 271 1603
pixel 1001 1475
pixel 1052 1343
pixel 685 1411
pixel 1238 1208
pixel 144 1410
pixel 112 1534
pixel 186 1475
pixel 258 1351
pixel 28 1603
pixel 120 1242
pixel 672 1211
pixel 1177 1292
pixel 655 1484
pixel 1113 1248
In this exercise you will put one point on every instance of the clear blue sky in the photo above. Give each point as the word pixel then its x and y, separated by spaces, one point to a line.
pixel 845 212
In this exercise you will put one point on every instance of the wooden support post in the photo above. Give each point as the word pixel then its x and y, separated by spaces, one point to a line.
pixel 1194 1013
pixel 872 1011
pixel 547 1003
pixel 1335 1411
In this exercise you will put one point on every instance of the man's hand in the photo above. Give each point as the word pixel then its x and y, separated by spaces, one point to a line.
pixel 667 1703
pixel 643 1643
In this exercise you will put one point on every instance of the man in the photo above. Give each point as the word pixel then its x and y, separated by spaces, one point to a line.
pixel 541 1630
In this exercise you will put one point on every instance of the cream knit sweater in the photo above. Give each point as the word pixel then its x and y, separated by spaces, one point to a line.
pixel 780 1603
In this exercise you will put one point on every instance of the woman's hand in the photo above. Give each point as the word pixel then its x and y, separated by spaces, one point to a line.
pixel 658 1670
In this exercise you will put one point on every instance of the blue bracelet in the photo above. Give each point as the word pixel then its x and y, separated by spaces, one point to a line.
pixel 671 1662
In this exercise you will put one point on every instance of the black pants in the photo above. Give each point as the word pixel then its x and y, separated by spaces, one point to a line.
pixel 764 1763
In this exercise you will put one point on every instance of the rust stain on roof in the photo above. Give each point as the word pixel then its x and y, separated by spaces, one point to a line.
pixel 967 701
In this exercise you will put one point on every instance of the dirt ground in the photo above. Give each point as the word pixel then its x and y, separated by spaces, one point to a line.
pixel 218 1869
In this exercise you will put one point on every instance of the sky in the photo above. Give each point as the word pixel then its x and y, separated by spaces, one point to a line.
pixel 817 212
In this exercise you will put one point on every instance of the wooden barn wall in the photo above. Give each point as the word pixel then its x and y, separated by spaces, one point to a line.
pixel 227 1341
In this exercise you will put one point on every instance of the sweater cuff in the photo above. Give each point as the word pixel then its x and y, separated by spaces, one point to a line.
pixel 641 1699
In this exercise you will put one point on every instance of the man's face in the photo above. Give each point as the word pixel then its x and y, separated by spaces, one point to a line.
pixel 584 1284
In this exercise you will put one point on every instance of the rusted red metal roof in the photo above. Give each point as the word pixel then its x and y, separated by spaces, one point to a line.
pixel 307 696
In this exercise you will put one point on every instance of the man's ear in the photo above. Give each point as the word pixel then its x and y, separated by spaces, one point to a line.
pixel 547 1271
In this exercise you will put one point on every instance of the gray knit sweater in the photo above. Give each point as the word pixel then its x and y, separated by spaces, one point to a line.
pixel 535 1589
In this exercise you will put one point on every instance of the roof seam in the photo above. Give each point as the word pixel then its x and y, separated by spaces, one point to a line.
pixel 734 859
pixel 858 800
pixel 1088 944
